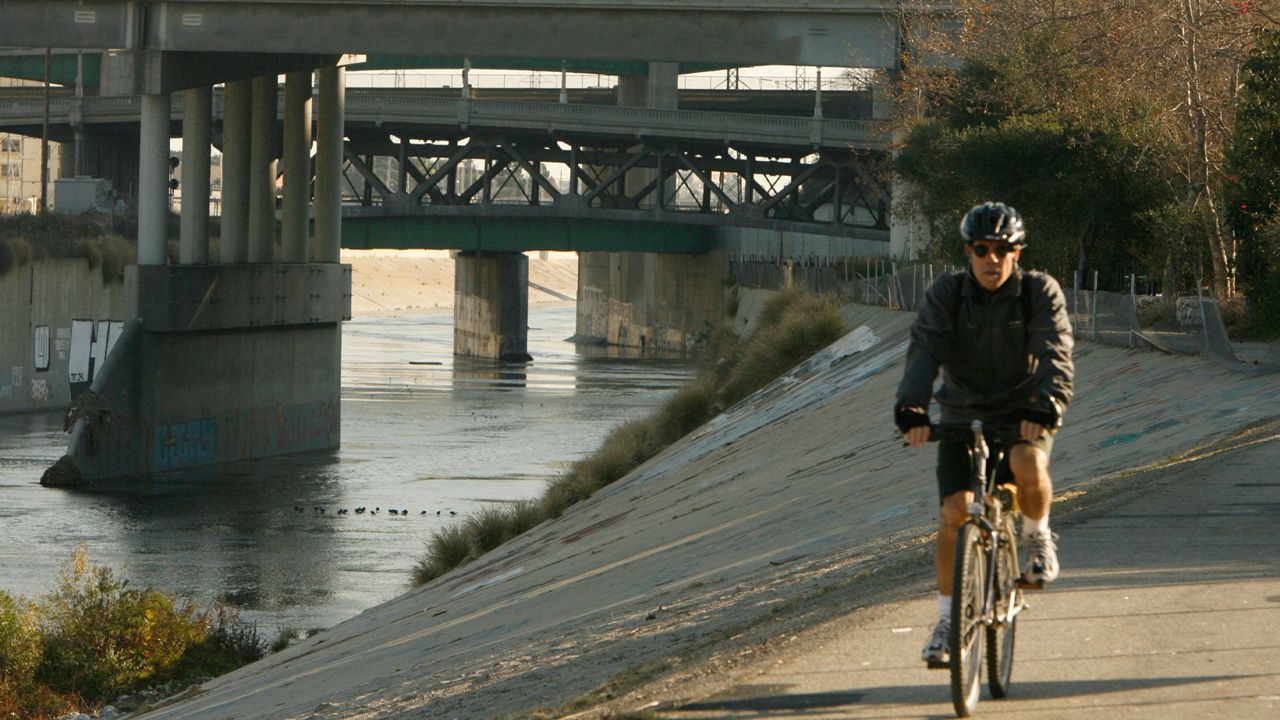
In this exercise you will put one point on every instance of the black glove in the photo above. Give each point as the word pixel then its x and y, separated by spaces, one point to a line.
pixel 1044 413
pixel 908 416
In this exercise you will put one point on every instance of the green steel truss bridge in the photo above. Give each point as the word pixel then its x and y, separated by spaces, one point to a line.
pixel 433 169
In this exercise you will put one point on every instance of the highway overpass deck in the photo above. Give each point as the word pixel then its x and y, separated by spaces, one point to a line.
pixel 745 32
pixel 23 112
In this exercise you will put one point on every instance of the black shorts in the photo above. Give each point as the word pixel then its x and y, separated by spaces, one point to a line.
pixel 954 473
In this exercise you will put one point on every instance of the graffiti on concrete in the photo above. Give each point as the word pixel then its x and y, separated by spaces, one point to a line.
pixel 185 444
pixel 40 390
pixel 62 342
pixel 81 347
pixel 42 348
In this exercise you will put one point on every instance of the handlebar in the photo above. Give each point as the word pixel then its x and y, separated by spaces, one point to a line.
pixel 1000 431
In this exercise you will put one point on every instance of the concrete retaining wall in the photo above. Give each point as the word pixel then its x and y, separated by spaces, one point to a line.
pixel 42 300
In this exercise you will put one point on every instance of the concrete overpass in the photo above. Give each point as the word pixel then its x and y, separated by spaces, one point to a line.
pixel 158 48
pixel 740 32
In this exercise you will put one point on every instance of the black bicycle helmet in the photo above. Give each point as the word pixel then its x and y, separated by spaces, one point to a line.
pixel 993 221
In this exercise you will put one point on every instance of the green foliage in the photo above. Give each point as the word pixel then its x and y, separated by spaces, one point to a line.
pixel 1082 190
pixel 19 640
pixel 793 326
pixel 1252 189
pixel 1032 118
pixel 94 637
pixel 102 637
pixel 228 643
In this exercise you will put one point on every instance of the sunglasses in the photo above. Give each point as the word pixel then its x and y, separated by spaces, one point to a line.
pixel 1000 250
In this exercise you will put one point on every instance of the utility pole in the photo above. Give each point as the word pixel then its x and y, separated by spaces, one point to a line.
pixel 44 137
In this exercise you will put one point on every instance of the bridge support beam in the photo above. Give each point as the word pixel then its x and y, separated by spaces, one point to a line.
pixel 491 306
pixel 223 363
pixel 237 106
pixel 330 121
pixel 295 236
pixel 197 121
pixel 262 170
pixel 153 191
pixel 661 301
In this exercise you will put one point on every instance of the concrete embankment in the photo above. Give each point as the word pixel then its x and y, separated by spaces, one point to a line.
pixel 796 505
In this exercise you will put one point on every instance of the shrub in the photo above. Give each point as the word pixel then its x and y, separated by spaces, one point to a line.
pixel 691 406
pixel 102 637
pixel 94 238
pixel 229 643
pixel 798 326
pixel 19 640
pixel 488 529
pixel 447 549
pixel 93 637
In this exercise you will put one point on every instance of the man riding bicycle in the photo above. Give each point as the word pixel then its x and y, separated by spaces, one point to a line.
pixel 1002 339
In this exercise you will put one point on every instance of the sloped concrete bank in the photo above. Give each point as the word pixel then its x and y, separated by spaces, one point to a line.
pixel 753 519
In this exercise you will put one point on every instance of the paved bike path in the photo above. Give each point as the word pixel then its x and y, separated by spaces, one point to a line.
pixel 1168 607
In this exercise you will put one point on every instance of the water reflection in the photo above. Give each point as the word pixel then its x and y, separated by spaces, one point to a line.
pixel 468 373
pixel 436 437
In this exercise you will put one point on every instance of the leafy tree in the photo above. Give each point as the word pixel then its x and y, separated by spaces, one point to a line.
pixel 1253 180
pixel 1158 78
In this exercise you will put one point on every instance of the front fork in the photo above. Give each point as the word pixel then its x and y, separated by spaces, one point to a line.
pixel 994 538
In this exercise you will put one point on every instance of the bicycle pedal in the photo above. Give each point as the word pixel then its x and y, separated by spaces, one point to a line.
pixel 937 665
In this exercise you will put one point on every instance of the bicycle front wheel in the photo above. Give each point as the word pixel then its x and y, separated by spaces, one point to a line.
pixel 967 630
pixel 1008 602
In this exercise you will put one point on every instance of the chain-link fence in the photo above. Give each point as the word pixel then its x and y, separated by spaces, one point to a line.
pixel 1185 325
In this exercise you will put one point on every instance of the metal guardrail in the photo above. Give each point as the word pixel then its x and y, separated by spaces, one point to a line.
pixel 65 108
pixel 622 121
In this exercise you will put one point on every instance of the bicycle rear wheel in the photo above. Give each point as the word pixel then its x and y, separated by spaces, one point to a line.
pixel 968 587
pixel 1008 601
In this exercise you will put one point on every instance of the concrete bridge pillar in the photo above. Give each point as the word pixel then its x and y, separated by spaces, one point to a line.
pixel 237 105
pixel 262 170
pixel 327 243
pixel 295 240
pixel 197 122
pixel 153 171
pixel 491 306
pixel 649 300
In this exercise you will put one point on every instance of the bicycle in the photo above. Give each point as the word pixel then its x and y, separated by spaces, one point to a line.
pixel 986 595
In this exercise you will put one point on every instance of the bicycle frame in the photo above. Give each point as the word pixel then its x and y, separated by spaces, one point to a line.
pixel 985 511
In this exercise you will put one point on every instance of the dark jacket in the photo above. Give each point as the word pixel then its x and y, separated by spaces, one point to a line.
pixel 991 362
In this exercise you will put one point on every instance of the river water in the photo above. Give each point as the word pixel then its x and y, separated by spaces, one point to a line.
pixel 435 437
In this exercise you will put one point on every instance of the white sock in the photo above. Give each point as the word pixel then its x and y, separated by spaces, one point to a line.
pixel 944 606
pixel 1032 527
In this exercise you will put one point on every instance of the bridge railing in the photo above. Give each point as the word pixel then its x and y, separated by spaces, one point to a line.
pixel 624 121
pixel 608 120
